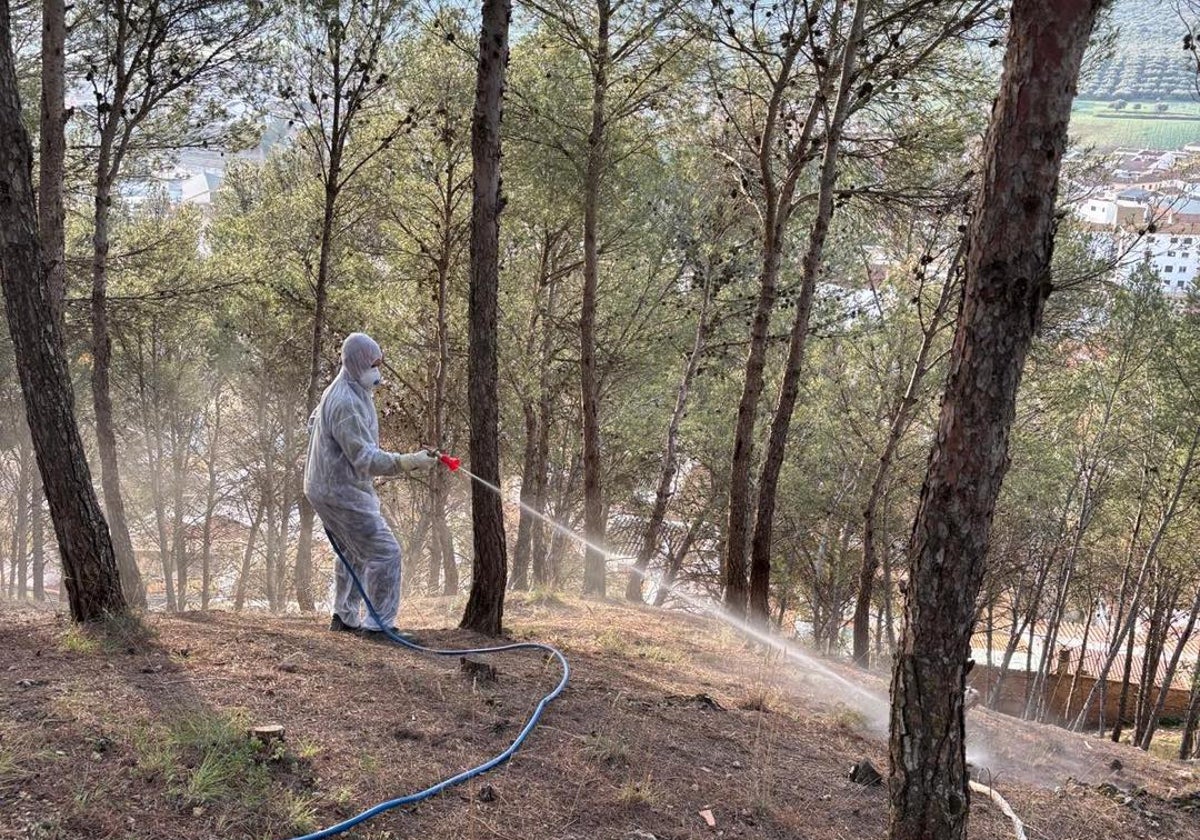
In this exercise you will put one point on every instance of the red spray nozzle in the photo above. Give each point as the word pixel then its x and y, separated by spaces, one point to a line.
pixel 450 461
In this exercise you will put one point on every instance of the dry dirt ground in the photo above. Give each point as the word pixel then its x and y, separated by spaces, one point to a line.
pixel 140 735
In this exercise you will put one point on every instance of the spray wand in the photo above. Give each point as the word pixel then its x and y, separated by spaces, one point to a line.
pixel 450 461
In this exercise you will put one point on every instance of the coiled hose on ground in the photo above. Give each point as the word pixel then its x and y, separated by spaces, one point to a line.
pixel 458 779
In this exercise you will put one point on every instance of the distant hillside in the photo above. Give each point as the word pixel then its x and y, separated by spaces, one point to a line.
pixel 1149 63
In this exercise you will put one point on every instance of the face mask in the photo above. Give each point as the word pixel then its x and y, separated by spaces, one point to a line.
pixel 371 380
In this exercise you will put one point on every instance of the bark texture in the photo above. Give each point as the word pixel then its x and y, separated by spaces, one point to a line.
pixel 1010 241
pixel 485 606
pixel 89 564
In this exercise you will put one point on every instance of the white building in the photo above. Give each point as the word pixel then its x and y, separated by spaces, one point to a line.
pixel 193 176
pixel 1137 227
pixel 1172 251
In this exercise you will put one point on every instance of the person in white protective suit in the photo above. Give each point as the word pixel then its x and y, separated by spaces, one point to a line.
pixel 343 459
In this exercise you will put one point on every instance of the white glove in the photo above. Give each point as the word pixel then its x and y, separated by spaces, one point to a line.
pixel 413 461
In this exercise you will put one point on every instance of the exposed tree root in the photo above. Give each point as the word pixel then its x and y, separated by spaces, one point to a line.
pixel 1003 805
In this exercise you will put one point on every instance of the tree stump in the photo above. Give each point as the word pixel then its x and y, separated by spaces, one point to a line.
pixel 266 734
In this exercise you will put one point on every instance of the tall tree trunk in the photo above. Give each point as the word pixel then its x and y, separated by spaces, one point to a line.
pixel 888 586
pixel 304 594
pixel 675 561
pixel 902 417
pixel 595 563
pixel 21 531
pixel 1083 648
pixel 39 541
pixel 247 556
pixel 89 564
pixel 485 606
pixel 651 536
pixel 1035 706
pixel 293 477
pixel 776 210
pixel 442 371
pixel 433 568
pixel 179 553
pixel 521 554
pixel 106 438
pixel 210 504
pixel 538 548
pixel 566 484
pixel 153 415
pixel 527 522
pixel 441 546
pixel 768 481
pixel 417 549
pixel 1010 242
pixel 449 558
pixel 270 578
pixel 53 151
pixel 1020 624
pixel 889 619
pixel 734 579
pixel 443 570
pixel 1126 677
pixel 1148 561
pixel 1152 650
pixel 1164 689
pixel 1187 744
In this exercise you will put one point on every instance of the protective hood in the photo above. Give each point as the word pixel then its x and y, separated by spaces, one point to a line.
pixel 359 353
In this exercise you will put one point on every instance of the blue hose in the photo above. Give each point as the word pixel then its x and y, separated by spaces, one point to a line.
pixel 445 784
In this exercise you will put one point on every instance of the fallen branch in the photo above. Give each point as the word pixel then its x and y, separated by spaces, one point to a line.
pixel 1004 807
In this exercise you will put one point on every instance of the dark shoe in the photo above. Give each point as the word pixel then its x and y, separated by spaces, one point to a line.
pixel 338 626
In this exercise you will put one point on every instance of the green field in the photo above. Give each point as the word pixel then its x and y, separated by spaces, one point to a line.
pixel 1098 124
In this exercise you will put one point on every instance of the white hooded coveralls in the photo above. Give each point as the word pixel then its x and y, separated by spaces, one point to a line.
pixel 343 458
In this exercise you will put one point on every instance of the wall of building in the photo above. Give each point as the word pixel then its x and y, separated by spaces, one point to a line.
pixel 1016 687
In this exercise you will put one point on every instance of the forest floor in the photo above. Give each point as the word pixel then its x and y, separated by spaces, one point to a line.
pixel 669 720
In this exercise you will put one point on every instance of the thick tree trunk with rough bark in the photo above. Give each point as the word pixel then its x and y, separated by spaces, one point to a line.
pixel 1010 241
pixel 595 563
pixel 485 606
pixel 89 564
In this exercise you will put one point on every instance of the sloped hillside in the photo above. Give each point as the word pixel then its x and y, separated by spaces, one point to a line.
pixel 669 722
